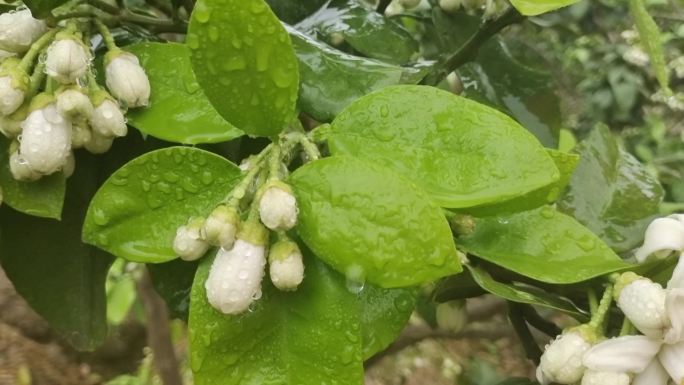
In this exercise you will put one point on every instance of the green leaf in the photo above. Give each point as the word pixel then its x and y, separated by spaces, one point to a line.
pixel 611 192
pixel 42 198
pixel 525 294
pixel 178 111
pixel 526 93
pixel 294 11
pixel 652 41
pixel 363 29
pixel 306 337
pixel 461 152
pixel 332 79
pixel 137 211
pixel 173 281
pixel 244 61
pixel 369 223
pixel 542 244
pixel 537 7
pixel 41 9
pixel 60 277
pixel 384 313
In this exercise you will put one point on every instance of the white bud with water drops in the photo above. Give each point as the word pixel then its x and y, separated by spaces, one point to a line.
pixel 286 265
pixel 663 237
pixel 14 83
pixel 45 136
pixel 98 144
pixel 451 315
pixel 188 244
pixel 126 78
pixel 20 169
pixel 562 359
pixel 107 119
pixel 74 103
pixel 643 303
pixel 221 226
pixel 235 276
pixel 68 58
pixel 450 6
pixel 593 377
pixel 19 30
pixel 278 206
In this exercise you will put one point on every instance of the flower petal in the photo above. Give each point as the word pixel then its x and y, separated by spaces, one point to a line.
pixel 654 374
pixel 677 280
pixel 674 306
pixel 672 359
pixel 663 236
pixel 628 354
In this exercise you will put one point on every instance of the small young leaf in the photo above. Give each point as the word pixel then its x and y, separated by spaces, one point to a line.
pixel 369 223
pixel 244 61
pixel 461 152
pixel 178 111
pixel 137 211
pixel 542 244
pixel 306 337
pixel 651 40
pixel 611 193
pixel 42 198
pixel 537 7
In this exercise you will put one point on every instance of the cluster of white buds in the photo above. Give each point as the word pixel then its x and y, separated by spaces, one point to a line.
pixel 72 111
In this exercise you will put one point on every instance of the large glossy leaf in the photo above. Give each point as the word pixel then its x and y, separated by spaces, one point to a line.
pixel 42 8
pixel 332 79
pixel 384 313
pixel 293 11
pixel 42 198
pixel 542 244
pixel 60 277
pixel 244 61
pixel 307 337
pixel 461 152
pixel 525 294
pixel 178 111
pixel 363 29
pixel 136 212
pixel 537 7
pixel 369 223
pixel 611 192
pixel 173 281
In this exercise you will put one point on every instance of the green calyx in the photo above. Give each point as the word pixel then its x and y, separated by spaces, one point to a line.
pixel 113 54
pixel 41 100
pixel 20 79
pixel 227 214
pixel 253 232
pixel 282 249
pixel 623 281
pixel 277 183
pixel 588 332
pixel 98 97
pixel 195 223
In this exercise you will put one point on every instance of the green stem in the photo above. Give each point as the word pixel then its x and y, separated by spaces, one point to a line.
pixel 274 162
pixel 104 6
pixel 37 79
pixel 106 34
pixel 236 195
pixel 92 82
pixel 309 147
pixel 627 328
pixel 593 301
pixel 599 316
pixel 30 57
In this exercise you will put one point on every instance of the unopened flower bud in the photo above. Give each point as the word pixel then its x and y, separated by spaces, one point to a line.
pixel 11 125
pixel 562 358
pixel 126 78
pixel 451 315
pixel 672 359
pixel 286 266
pixel 450 6
pixel 663 237
pixel 45 137
pixel 643 303
pixel 73 103
pixel 188 244
pixel 235 276
pixel 107 118
pixel 278 206
pixel 20 169
pixel 80 134
pixel 98 144
pixel 221 226
pixel 592 377
pixel 67 60
pixel 14 83
pixel 18 30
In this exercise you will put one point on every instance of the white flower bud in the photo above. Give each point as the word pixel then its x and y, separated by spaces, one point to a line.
pixel 18 30
pixel 451 315
pixel 562 359
pixel 592 377
pixel 450 6
pixel 663 236
pixel 73 103
pixel 108 120
pixel 409 4
pixel 221 226
pixel 126 79
pixel 45 139
pixel 188 244
pixel 80 134
pixel 14 83
pixel 67 60
pixel 70 166
pixel 643 303
pixel 235 276
pixel 286 266
pixel 278 206
pixel 98 144
pixel 20 169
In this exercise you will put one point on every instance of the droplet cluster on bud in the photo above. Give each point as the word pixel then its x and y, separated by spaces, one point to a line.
pixel 278 206
pixel 286 265
pixel 46 139
pixel 19 30
pixel 643 302
pixel 562 359
pixel 188 244
pixel 68 59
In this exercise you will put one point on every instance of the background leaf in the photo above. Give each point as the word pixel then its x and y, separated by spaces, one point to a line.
pixel 651 40
pixel 137 211
pixel 41 9
pixel 173 281
pixel 537 7
pixel 294 11
pixel 461 152
pixel 369 223
pixel 178 111
pixel 244 61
